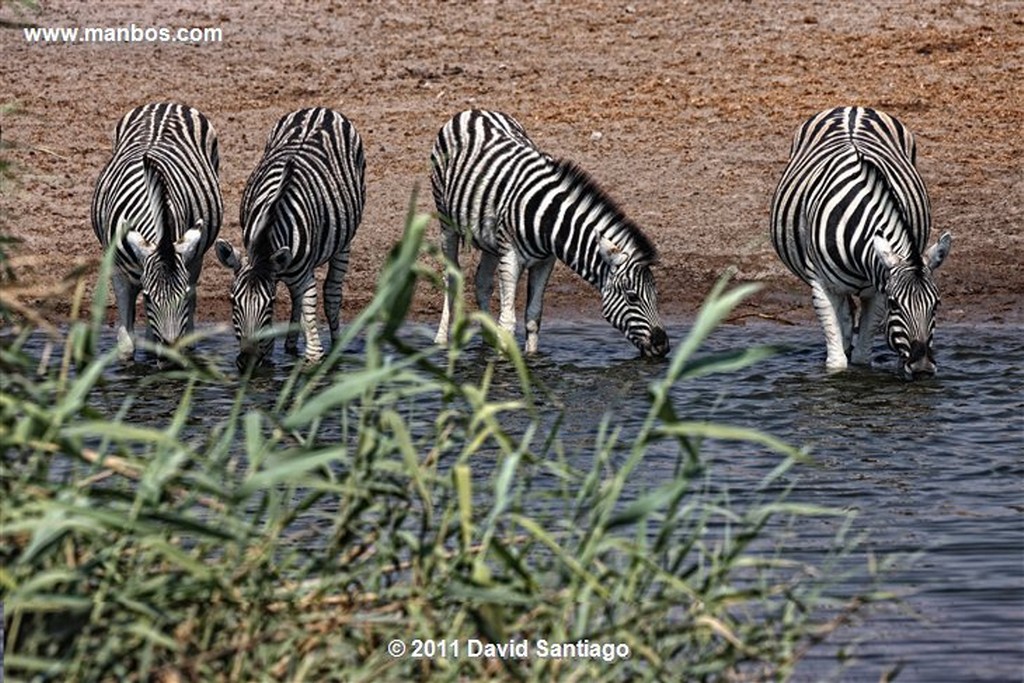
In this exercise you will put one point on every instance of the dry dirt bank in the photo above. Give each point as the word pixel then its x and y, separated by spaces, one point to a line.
pixel 682 110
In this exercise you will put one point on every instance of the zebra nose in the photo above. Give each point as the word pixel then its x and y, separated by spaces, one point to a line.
pixel 659 341
pixel 249 348
pixel 918 350
pixel 920 361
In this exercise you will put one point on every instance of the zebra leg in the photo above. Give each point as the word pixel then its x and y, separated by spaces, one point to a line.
pixel 831 309
pixel 193 302
pixel 535 285
pixel 314 349
pixel 291 339
pixel 485 281
pixel 845 312
pixel 333 291
pixel 509 269
pixel 126 293
pixel 870 307
pixel 451 252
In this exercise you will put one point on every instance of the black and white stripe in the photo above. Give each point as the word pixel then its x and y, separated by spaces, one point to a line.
pixel 300 209
pixel 851 217
pixel 524 209
pixel 158 198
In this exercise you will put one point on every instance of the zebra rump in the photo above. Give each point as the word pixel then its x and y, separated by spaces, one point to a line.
pixel 851 217
pixel 158 201
pixel 300 209
pixel 524 209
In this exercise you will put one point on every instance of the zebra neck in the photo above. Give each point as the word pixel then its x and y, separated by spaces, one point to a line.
pixel 577 244
pixel 567 214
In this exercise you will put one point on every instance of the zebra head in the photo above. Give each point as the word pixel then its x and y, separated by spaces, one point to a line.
pixel 252 299
pixel 629 300
pixel 168 291
pixel 911 303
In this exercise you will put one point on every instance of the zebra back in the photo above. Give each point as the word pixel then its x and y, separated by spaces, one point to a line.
pixel 308 191
pixel 473 161
pixel 858 163
pixel 167 148
pixel 489 177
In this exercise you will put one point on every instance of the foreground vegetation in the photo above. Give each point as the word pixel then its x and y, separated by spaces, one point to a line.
pixel 299 538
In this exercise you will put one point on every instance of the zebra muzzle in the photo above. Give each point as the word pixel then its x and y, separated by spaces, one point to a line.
pixel 251 354
pixel 657 345
pixel 920 362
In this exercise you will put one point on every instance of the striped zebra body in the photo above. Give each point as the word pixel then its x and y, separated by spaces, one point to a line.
pixel 524 210
pixel 300 209
pixel 159 200
pixel 851 217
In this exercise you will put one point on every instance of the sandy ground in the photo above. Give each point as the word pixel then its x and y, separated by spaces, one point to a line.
pixel 683 111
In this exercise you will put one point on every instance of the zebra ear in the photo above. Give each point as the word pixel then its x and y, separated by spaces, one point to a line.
pixel 280 259
pixel 188 244
pixel 884 251
pixel 228 255
pixel 611 253
pixel 139 245
pixel 938 251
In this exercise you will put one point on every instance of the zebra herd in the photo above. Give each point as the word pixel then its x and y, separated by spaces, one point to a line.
pixel 850 217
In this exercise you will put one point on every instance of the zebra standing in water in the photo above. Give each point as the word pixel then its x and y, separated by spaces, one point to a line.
pixel 851 218
pixel 522 208
pixel 300 208
pixel 158 198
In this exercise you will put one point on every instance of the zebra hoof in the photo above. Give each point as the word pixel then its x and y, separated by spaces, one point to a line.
pixel 834 368
pixel 125 346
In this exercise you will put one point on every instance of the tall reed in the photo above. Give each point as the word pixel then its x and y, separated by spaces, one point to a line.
pixel 300 537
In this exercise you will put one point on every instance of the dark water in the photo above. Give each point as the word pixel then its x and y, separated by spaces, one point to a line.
pixel 934 469
pixel 935 466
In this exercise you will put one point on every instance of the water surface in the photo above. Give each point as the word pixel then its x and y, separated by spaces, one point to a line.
pixel 934 468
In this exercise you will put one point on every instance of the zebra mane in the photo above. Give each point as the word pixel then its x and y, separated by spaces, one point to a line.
pixel 915 258
pixel 641 245
pixel 260 232
pixel 163 215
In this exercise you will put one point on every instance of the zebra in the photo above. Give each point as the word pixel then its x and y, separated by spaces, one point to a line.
pixel 851 218
pixel 300 209
pixel 524 209
pixel 158 200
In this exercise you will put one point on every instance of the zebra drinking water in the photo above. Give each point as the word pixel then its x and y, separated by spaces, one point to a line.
pixel 522 208
pixel 851 218
pixel 300 209
pixel 159 200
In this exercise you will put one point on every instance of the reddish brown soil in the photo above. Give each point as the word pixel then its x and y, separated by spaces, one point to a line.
pixel 684 111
